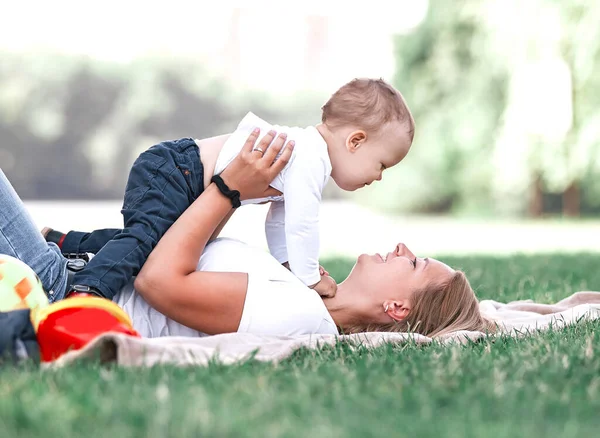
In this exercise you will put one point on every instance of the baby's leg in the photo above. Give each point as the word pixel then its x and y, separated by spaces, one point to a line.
pixel 163 182
pixel 80 242
pixel 20 238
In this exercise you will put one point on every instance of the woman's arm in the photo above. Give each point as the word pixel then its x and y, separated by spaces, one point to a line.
pixel 221 225
pixel 211 302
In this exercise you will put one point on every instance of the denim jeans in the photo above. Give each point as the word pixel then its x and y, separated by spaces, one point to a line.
pixel 77 242
pixel 18 340
pixel 20 238
pixel 164 181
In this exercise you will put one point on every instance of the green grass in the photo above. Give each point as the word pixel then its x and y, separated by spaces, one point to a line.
pixel 544 386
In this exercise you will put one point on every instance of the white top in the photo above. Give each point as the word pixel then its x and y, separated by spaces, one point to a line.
pixel 292 226
pixel 277 303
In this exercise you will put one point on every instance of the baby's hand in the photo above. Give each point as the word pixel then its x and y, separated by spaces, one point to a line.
pixel 326 287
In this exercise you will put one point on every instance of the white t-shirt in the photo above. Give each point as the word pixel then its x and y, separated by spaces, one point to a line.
pixel 292 225
pixel 277 303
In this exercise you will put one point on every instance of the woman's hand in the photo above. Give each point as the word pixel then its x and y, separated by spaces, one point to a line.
pixel 252 170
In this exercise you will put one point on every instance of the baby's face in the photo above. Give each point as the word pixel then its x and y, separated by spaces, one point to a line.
pixel 379 152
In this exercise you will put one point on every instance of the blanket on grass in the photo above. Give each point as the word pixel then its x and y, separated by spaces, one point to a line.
pixel 517 318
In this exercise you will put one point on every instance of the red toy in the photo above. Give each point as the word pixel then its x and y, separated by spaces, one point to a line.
pixel 72 323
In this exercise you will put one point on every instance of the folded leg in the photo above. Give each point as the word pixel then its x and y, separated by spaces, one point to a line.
pixel 79 241
pixel 20 238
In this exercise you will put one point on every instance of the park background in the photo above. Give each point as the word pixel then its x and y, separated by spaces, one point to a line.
pixel 506 156
pixel 502 182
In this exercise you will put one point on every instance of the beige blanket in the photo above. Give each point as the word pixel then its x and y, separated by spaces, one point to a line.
pixel 519 318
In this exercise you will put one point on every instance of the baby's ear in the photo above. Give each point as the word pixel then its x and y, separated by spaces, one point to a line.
pixel 355 139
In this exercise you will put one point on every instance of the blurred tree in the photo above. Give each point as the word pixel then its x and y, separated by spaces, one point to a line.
pixel 71 127
pixel 550 130
pixel 503 93
pixel 580 48
pixel 456 91
pixel 58 104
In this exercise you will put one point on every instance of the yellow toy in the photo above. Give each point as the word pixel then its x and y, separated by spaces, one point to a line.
pixel 20 288
pixel 65 325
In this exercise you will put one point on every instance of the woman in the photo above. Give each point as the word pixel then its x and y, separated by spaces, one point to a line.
pixel 238 288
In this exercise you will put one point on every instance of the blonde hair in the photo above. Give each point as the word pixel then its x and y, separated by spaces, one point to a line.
pixel 438 309
pixel 367 103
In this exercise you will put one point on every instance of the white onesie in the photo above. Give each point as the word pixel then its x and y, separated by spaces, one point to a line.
pixel 292 225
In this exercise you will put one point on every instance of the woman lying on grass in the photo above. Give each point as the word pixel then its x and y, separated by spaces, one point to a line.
pixel 192 287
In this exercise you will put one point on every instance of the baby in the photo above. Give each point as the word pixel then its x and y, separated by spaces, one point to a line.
pixel 366 127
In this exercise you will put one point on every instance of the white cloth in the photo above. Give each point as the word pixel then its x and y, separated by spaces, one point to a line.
pixel 277 303
pixel 235 347
pixel 292 225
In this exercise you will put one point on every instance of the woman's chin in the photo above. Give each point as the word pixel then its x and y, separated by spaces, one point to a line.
pixel 362 258
pixel 358 267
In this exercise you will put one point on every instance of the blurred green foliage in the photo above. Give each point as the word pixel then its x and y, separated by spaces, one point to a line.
pixel 70 127
pixel 503 93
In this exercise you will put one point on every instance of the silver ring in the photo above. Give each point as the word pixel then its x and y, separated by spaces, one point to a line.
pixel 259 150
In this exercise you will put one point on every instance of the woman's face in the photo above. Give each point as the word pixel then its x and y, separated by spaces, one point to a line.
pixel 398 274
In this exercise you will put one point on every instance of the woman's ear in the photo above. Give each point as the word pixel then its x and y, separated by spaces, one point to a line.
pixel 355 139
pixel 397 310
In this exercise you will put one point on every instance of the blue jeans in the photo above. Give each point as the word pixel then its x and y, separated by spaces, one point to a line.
pixel 78 242
pixel 164 181
pixel 20 238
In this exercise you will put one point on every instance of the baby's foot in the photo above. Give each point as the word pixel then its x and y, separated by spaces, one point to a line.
pixel 51 235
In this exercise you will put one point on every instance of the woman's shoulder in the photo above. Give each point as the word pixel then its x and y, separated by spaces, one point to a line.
pixel 284 308
pixel 225 248
pixel 224 242
pixel 276 302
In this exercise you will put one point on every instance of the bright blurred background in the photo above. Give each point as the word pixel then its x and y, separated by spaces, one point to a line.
pixel 506 156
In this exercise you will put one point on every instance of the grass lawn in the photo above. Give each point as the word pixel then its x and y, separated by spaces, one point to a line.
pixel 546 386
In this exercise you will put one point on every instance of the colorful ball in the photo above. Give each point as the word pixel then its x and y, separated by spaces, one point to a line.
pixel 20 287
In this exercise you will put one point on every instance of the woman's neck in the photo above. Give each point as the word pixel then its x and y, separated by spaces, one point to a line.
pixel 349 307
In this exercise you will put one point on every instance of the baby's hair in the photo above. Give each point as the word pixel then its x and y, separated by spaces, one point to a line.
pixel 367 103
